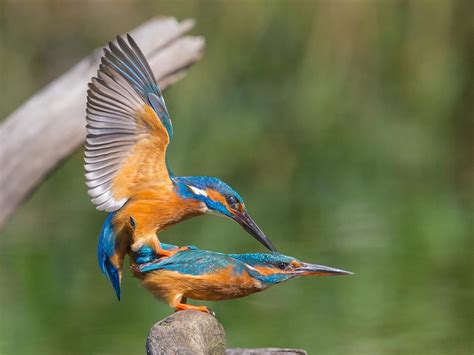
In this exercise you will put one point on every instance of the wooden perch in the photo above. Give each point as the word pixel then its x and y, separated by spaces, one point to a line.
pixel 50 126
pixel 187 332
pixel 197 333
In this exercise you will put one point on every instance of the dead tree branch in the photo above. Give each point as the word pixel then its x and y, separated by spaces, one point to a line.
pixel 50 126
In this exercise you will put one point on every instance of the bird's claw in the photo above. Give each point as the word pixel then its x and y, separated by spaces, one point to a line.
pixel 163 253
pixel 189 307
pixel 211 312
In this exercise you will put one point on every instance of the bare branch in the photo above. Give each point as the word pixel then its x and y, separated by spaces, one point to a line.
pixel 50 126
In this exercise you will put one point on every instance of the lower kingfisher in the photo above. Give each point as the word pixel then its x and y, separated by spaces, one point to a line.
pixel 210 276
pixel 128 132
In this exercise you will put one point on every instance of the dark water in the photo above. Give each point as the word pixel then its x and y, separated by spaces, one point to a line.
pixel 346 127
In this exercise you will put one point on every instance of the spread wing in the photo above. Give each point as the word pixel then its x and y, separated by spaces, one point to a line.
pixel 128 128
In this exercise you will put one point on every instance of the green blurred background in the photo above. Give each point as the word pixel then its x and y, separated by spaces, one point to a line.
pixel 346 125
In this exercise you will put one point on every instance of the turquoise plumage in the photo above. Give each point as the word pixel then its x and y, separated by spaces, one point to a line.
pixel 127 172
pixel 206 275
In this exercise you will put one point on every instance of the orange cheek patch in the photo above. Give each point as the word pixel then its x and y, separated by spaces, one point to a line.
pixel 265 270
pixel 216 196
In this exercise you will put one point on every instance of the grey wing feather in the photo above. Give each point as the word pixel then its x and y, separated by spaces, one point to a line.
pixel 114 98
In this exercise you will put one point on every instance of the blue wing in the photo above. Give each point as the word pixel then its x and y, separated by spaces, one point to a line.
pixel 105 250
pixel 193 262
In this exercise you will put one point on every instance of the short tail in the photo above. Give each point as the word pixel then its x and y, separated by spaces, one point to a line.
pixel 106 250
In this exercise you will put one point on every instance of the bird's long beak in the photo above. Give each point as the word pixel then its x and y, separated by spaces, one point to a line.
pixel 242 218
pixel 319 270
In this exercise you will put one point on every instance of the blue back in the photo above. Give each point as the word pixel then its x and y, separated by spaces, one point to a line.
pixel 195 262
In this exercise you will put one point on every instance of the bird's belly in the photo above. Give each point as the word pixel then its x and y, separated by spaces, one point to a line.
pixel 166 285
pixel 208 290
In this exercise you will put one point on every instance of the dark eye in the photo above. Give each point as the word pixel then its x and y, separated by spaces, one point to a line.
pixel 132 222
pixel 231 200
pixel 282 265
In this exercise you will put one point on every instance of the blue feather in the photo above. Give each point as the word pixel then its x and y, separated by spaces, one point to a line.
pixel 194 262
pixel 131 64
pixel 254 259
pixel 105 250
pixel 203 183
pixel 201 262
pixel 158 104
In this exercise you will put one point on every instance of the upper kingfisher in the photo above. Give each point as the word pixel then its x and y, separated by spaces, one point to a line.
pixel 128 132
pixel 210 276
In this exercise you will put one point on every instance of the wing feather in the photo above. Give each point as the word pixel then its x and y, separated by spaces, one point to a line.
pixel 127 125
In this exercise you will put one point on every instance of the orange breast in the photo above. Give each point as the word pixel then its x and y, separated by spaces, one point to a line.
pixel 154 208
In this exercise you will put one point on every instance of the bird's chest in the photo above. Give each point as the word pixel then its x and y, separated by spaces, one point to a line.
pixel 154 210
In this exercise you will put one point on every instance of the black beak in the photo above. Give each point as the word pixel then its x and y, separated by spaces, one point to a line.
pixel 251 227
pixel 319 270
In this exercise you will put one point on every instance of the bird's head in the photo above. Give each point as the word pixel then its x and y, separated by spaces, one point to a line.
pixel 220 199
pixel 274 268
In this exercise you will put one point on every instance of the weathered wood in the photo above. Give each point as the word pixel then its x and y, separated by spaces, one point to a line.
pixel 186 332
pixel 197 333
pixel 50 126
pixel 265 351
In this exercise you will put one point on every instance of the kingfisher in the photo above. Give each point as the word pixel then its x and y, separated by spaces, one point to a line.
pixel 127 174
pixel 211 276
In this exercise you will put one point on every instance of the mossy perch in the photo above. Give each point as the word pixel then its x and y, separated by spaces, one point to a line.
pixel 197 333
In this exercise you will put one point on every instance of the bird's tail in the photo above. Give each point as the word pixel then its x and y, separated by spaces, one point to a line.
pixel 109 254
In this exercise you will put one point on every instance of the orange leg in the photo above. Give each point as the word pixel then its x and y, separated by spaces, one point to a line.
pixel 185 307
pixel 156 246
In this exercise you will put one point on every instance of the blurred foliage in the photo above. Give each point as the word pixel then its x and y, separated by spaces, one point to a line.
pixel 346 125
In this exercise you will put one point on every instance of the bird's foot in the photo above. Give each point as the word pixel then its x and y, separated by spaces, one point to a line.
pixel 190 307
pixel 164 252
pixel 169 253
pixel 146 254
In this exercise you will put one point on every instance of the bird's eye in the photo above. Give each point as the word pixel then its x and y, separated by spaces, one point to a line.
pixel 282 265
pixel 231 200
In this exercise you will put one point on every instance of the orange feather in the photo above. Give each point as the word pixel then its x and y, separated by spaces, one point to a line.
pixel 145 164
pixel 154 209
pixel 172 286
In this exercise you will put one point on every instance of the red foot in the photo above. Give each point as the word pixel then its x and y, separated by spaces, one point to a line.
pixel 166 253
pixel 185 307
